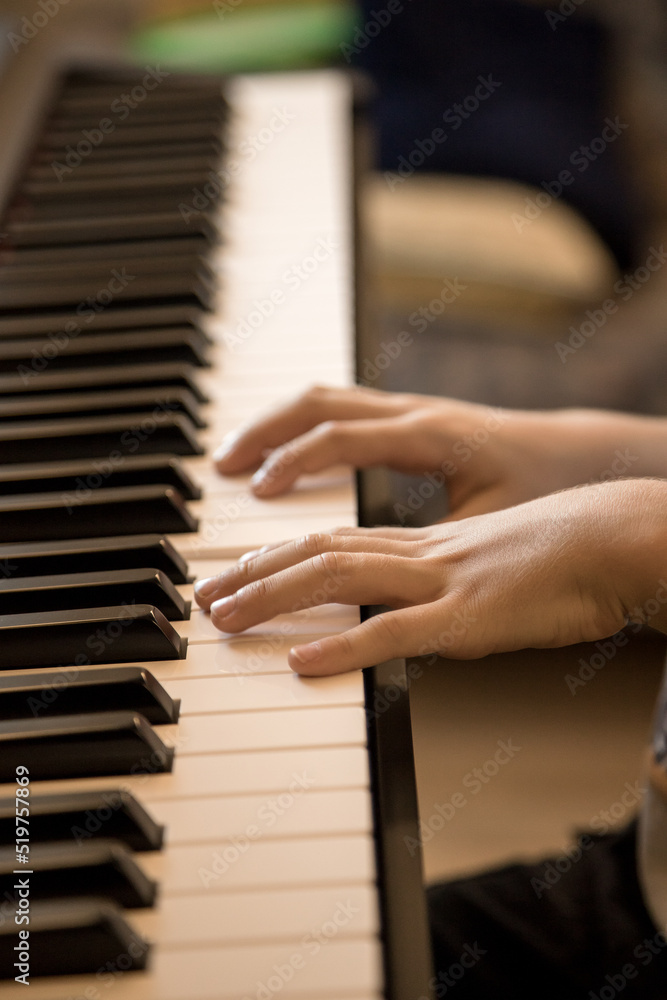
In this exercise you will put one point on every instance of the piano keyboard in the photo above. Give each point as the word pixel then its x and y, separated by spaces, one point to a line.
pixel 264 881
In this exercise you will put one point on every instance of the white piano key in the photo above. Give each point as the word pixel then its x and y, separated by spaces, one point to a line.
pixel 243 505
pixel 258 861
pixel 270 730
pixel 338 971
pixel 224 694
pixel 331 492
pixel 262 731
pixel 241 657
pixel 326 813
pixel 226 536
pixel 243 917
pixel 233 774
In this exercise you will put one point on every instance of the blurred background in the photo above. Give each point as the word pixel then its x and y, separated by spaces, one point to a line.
pixel 516 221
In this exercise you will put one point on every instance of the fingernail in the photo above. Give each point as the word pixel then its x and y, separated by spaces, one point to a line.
pixel 224 607
pixel 260 481
pixel 306 654
pixel 226 447
pixel 247 556
pixel 204 588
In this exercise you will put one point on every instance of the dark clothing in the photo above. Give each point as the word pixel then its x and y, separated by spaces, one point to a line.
pixel 572 928
pixel 552 99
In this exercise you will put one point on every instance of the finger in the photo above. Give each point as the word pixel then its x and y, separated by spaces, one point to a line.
pixel 282 557
pixel 360 443
pixel 386 531
pixel 245 448
pixel 399 534
pixel 394 634
pixel 333 578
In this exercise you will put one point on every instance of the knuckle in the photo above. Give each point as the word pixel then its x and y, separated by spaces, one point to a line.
pixel 316 395
pixel 344 647
pixel 312 545
pixel 331 430
pixel 243 573
pixel 386 627
pixel 257 590
pixel 330 562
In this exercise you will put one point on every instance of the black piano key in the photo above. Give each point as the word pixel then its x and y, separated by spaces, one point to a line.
pixel 128 136
pixel 181 161
pixel 105 82
pixel 131 433
pixel 95 271
pixel 131 316
pixel 156 152
pixel 73 938
pixel 34 517
pixel 127 347
pixel 178 285
pixel 84 555
pixel 66 117
pixel 48 406
pixel 94 229
pixel 93 590
pixel 102 869
pixel 79 817
pixel 38 694
pixel 88 636
pixel 82 477
pixel 84 104
pixel 113 254
pixel 102 206
pixel 82 746
pixel 158 375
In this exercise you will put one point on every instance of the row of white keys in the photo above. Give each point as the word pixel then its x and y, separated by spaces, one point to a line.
pixel 267 880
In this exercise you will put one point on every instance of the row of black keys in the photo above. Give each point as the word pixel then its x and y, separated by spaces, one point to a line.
pixel 101 399
pixel 104 282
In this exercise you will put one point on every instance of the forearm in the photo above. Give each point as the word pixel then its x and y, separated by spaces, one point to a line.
pixel 616 445
pixel 638 555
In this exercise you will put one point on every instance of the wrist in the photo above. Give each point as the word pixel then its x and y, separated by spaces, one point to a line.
pixel 637 549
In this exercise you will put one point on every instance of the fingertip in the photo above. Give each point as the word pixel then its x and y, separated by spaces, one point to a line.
pixel 307 660
pixel 266 483
pixel 204 591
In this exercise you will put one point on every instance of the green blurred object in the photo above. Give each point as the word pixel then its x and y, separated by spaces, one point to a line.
pixel 236 39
